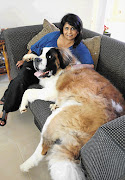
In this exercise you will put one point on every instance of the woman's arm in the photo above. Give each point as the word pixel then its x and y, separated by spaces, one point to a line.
pixel 83 55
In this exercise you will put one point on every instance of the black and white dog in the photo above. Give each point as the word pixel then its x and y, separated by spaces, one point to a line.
pixel 49 66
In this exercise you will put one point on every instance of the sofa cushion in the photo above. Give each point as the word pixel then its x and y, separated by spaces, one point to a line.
pixel 47 28
pixel 93 44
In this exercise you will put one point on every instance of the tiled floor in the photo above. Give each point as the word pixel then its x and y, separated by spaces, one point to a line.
pixel 18 140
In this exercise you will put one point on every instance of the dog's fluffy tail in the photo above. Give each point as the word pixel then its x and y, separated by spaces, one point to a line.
pixel 63 168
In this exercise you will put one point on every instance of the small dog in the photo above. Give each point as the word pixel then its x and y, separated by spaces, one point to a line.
pixel 85 101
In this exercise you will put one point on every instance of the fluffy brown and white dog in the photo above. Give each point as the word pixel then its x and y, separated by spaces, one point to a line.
pixel 85 100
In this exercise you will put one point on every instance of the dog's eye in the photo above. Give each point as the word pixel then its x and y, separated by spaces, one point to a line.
pixel 49 57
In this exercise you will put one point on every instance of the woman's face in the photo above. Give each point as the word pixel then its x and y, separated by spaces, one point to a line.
pixel 69 32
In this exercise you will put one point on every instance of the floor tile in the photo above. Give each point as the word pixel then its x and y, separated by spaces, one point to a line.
pixel 18 140
pixel 10 159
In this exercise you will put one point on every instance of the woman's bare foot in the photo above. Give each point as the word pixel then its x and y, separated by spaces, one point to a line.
pixel 3 121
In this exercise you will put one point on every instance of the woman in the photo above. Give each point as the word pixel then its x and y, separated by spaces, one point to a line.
pixel 69 36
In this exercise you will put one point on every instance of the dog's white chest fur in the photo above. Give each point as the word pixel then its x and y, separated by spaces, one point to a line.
pixel 49 82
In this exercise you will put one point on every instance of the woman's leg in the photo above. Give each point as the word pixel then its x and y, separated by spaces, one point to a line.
pixel 13 98
pixel 2 100
pixel 16 88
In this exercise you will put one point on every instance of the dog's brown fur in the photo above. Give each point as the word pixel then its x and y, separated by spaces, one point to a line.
pixel 74 125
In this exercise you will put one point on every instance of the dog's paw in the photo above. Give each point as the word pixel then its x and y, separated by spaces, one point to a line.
pixel 24 168
pixel 53 107
pixel 29 57
pixel 23 109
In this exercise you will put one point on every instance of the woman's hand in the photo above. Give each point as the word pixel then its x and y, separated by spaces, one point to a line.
pixel 19 63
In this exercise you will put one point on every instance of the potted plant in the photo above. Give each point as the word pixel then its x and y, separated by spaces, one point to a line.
pixel 105 32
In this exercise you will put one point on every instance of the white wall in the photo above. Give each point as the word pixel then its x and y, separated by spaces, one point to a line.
pixel 94 13
pixel 14 13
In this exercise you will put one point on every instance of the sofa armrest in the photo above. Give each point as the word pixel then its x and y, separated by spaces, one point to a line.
pixel 16 40
pixel 103 156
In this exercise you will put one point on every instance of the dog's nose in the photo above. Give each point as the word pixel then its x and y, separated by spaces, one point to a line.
pixel 38 59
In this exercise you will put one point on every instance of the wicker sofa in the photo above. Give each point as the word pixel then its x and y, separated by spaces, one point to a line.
pixel 103 157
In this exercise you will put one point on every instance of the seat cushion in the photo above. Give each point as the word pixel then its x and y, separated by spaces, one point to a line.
pixel 41 112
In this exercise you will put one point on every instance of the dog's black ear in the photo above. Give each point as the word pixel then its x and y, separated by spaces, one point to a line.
pixel 65 57
pixel 60 57
pixel 41 51
pixel 33 52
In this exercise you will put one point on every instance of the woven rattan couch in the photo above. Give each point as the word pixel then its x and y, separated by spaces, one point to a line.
pixel 103 157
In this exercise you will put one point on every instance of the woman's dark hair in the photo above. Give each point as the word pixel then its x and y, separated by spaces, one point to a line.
pixel 75 21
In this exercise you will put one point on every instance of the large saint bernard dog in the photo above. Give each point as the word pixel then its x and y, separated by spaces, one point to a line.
pixel 84 100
